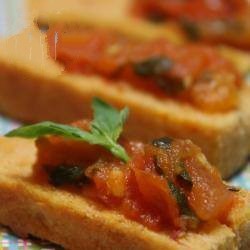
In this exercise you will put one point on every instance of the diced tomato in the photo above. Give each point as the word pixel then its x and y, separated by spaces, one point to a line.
pixel 191 10
pixel 136 208
pixel 164 186
pixel 209 196
pixel 179 70
pixel 156 192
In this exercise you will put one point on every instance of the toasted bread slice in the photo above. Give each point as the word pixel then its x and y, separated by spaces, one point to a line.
pixel 33 87
pixel 74 222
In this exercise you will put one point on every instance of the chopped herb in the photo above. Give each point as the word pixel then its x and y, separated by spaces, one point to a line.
pixel 191 29
pixel 171 85
pixel 158 168
pixel 105 129
pixel 192 221
pixel 157 68
pixel 156 17
pixel 163 143
pixel 64 174
pixel 154 66
pixel 183 173
pixel 180 198
pixel 233 189
pixel 179 195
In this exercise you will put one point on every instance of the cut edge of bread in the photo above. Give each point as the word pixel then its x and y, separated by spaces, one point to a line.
pixel 77 223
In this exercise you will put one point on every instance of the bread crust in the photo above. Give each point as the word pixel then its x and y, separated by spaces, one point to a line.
pixel 74 222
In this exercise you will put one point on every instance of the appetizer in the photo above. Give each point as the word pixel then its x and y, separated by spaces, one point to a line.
pixel 209 21
pixel 83 187
pixel 186 91
pixel 219 21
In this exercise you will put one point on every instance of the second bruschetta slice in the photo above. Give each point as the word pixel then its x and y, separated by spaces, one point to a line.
pixel 189 92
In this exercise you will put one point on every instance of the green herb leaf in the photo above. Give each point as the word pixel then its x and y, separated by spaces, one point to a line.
pixel 180 198
pixel 105 130
pixel 183 173
pixel 191 29
pixel 154 66
pixel 49 128
pixel 108 120
pixel 63 174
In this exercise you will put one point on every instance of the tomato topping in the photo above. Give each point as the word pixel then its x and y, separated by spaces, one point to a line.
pixel 191 10
pixel 212 21
pixel 195 74
pixel 209 196
pixel 167 185
pixel 157 193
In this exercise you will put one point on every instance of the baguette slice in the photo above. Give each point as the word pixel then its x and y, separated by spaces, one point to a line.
pixel 72 10
pixel 118 19
pixel 33 87
pixel 74 222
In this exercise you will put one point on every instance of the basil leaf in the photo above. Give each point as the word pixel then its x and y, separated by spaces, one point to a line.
pixel 49 128
pixel 107 120
pixel 105 129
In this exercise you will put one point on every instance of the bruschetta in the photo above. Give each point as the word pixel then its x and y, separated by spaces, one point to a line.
pixel 218 22
pixel 83 187
pixel 214 22
pixel 37 84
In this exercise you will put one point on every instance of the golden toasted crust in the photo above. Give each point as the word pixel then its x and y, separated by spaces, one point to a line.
pixel 77 223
